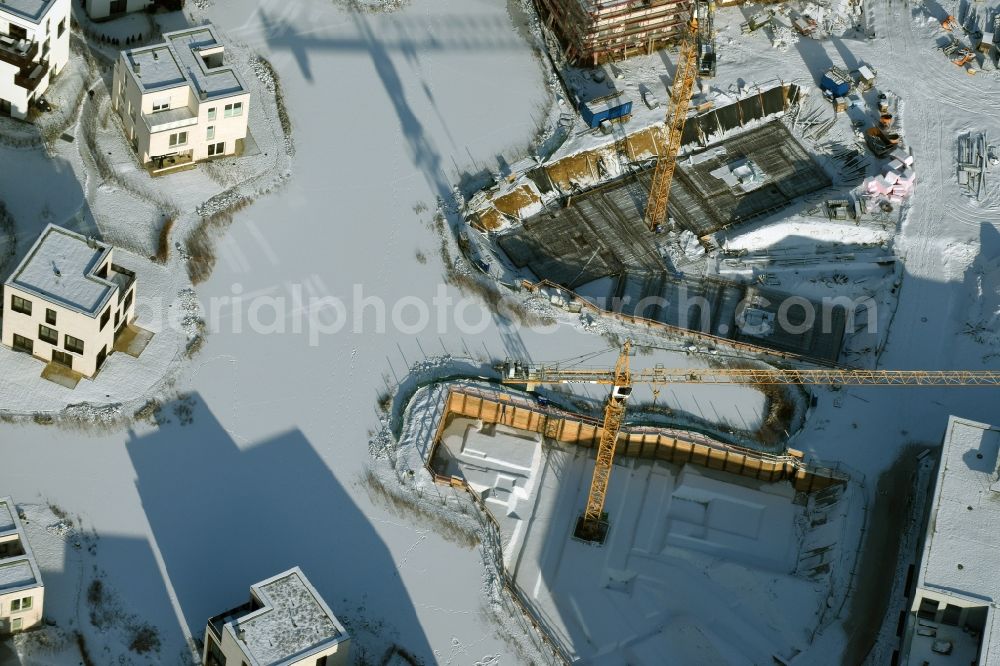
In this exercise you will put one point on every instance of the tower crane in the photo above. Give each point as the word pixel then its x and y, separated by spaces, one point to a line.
pixel 680 94
pixel 705 11
pixel 592 525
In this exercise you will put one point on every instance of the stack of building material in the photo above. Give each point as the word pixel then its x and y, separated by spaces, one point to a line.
pixel 896 183
pixel 973 154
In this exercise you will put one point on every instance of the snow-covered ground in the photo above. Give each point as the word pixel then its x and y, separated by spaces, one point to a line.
pixel 262 465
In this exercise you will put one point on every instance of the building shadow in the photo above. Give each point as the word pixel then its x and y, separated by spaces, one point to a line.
pixel 61 201
pixel 224 517
pixel 814 55
pixel 400 34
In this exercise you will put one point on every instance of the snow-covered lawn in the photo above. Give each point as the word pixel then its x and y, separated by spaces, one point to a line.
pixel 263 465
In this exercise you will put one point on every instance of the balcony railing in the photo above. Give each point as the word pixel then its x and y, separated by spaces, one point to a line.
pixel 32 75
pixel 162 121
pixel 216 623
pixel 122 277
pixel 19 53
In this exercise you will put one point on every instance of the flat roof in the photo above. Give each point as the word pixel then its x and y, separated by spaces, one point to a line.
pixel 60 268
pixel 18 571
pixel 294 621
pixel 16 574
pixel 33 10
pixel 178 61
pixel 158 67
pixel 962 550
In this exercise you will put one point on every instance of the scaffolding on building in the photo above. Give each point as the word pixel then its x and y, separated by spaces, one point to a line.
pixel 593 32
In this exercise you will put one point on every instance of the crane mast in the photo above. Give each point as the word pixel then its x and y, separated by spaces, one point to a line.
pixel 593 524
pixel 680 93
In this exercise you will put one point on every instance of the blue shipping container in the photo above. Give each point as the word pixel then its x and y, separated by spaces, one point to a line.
pixel 609 107
pixel 835 82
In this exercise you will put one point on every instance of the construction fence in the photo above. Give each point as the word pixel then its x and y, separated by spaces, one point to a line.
pixel 643 443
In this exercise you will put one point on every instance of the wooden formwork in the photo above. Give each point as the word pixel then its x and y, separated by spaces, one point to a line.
pixel 597 31
pixel 577 430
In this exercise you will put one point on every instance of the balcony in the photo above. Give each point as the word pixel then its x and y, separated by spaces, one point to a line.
pixel 32 75
pixel 122 277
pixel 216 623
pixel 171 119
pixel 18 52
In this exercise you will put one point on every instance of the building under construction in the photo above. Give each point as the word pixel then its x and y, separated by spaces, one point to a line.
pixel 597 31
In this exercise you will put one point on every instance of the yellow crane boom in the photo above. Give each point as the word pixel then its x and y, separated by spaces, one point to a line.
pixel 593 524
pixel 680 94
pixel 535 375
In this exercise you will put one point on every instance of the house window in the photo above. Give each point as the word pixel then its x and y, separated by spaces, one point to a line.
pixel 217 149
pixel 72 344
pixel 210 133
pixel 15 624
pixel 62 358
pixel 128 301
pixel 118 318
pixel 61 29
pixel 321 661
pixel 50 316
pixel 18 304
pixel 20 604
pixel 103 273
pixel 234 110
pixel 24 344
pixel 105 317
pixel 49 335
pixel 48 26
pixel 45 48
pixel 162 105
pixel 179 139
pixel 212 113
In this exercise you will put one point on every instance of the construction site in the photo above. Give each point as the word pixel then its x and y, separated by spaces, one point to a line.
pixel 634 536
pixel 695 522
pixel 612 332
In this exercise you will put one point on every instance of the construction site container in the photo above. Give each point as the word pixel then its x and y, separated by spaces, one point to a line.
pixel 609 107
pixel 836 82
pixel 866 77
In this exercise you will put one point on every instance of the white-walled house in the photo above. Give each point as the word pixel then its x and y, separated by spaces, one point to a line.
pixel 180 100
pixel 101 9
pixel 285 623
pixel 34 47
pixel 21 591
pixel 68 301
pixel 955 613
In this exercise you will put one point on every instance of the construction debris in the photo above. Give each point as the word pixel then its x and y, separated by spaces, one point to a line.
pixel 757 21
pixel 973 162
